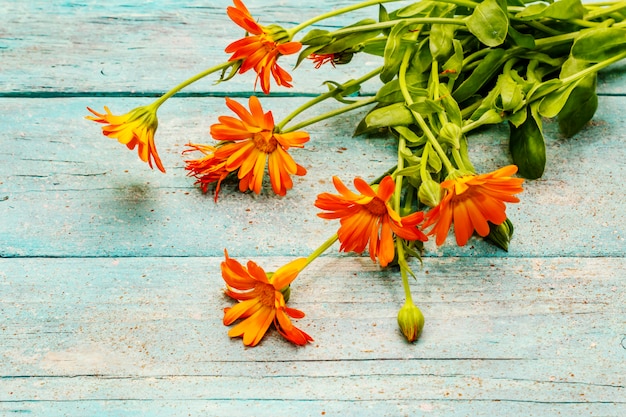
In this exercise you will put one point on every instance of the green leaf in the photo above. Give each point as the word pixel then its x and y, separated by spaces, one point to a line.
pixel 425 106
pixel 453 66
pixel 410 136
pixel 501 235
pixel 394 51
pixel 523 40
pixel 440 41
pixel 564 10
pixel 420 8
pixel 579 108
pixel 597 45
pixel 396 114
pixel 561 10
pixel 518 117
pixel 552 104
pixel 528 147
pixel 316 37
pixel 489 65
pixel 489 23
pixel 451 107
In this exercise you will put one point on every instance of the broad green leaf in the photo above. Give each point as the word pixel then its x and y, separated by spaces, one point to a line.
pixel 580 107
pixel 597 45
pixel 420 8
pixel 518 117
pixel 511 96
pixel 394 51
pixel 561 10
pixel 564 10
pixel 489 23
pixel 521 39
pixel 552 104
pixel 440 41
pixel 422 58
pixel 316 37
pixel 453 66
pixel 425 106
pixel 410 136
pixel 489 65
pixel 528 147
pixel 543 89
pixel 450 105
pixel 396 114
pixel 351 40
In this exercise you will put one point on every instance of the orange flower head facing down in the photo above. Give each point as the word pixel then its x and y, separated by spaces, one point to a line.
pixel 471 202
pixel 368 219
pixel 134 129
pixel 261 302
pixel 210 168
pixel 336 58
pixel 261 49
pixel 248 144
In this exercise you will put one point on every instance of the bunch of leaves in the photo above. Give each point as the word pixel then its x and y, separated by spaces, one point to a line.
pixel 449 67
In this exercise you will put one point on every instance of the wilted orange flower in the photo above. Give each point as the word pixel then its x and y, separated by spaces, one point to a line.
pixel 135 128
pixel 368 218
pixel 261 301
pixel 321 59
pixel 261 49
pixel 471 201
pixel 211 168
pixel 247 144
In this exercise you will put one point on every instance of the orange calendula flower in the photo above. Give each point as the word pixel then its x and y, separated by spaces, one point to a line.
pixel 211 168
pixel 261 302
pixel 471 201
pixel 135 128
pixel 248 144
pixel 337 58
pixel 260 50
pixel 368 218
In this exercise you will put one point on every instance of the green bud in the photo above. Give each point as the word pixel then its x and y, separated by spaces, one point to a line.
pixel 411 321
pixel 451 134
pixel 500 235
pixel 430 193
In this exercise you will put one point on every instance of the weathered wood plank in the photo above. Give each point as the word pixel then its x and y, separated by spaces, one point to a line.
pixel 148 47
pixel 542 333
pixel 65 190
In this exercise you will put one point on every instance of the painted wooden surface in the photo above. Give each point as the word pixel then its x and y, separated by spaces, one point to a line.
pixel 110 291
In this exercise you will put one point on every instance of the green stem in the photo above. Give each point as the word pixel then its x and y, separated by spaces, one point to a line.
pixel 391 23
pixel 192 80
pixel 324 96
pixel 403 274
pixel 418 117
pixel 334 13
pixel 323 248
pixel 604 11
pixel 330 114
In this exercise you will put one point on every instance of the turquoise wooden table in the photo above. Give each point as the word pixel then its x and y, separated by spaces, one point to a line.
pixel 111 296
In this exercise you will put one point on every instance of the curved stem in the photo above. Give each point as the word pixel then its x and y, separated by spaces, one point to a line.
pixel 391 23
pixel 330 114
pixel 322 248
pixel 418 117
pixel 334 13
pixel 326 95
pixel 192 80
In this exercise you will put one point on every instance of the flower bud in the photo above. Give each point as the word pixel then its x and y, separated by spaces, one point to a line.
pixel 411 321
pixel 501 234
pixel 429 193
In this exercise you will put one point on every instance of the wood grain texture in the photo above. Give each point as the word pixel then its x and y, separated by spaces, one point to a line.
pixel 84 48
pixel 110 292
pixel 500 332
pixel 105 202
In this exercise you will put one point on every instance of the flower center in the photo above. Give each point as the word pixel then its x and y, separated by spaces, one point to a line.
pixel 266 294
pixel 377 207
pixel 263 144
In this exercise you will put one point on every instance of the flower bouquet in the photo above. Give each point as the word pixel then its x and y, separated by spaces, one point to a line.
pixel 447 68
